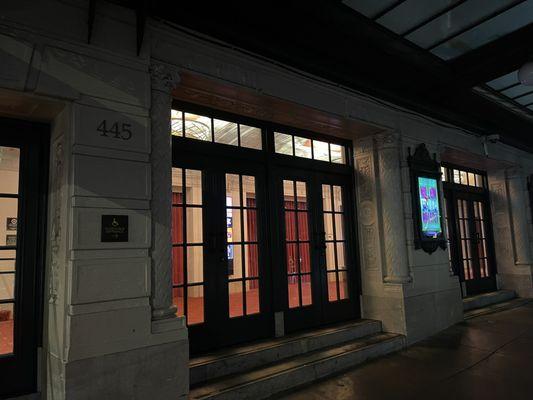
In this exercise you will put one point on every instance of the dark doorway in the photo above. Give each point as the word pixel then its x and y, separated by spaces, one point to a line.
pixel 469 229
pixel 262 222
pixel 23 192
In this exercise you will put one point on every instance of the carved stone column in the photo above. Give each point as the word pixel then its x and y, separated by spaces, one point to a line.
pixel 518 201
pixel 164 80
pixel 392 213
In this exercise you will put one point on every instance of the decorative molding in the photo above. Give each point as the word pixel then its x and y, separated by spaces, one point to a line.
pixel 56 229
pixel 163 77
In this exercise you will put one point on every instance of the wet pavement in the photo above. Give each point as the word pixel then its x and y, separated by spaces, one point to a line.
pixel 486 357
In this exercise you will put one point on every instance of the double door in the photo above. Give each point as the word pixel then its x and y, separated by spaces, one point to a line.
pixel 250 242
pixel 471 241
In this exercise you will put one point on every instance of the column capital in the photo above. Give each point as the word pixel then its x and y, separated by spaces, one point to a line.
pixel 164 77
pixel 387 140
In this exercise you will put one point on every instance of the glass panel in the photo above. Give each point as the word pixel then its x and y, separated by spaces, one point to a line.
pixel 464 177
pixel 339 227
pixel 226 132
pixel 288 194
pixel 250 218
pixel 326 197
pixel 251 260
pixel 292 258
pixel 198 127
pixel 456 176
pixel 330 256
pixel 303 226
pixel 8 221
pixel 194 225
pixel 337 154
pixel 293 291
pixel 236 306
pixel 307 294
pixel 233 197
pixel 305 258
pixel 301 194
pixel 248 190
pixel 193 182
pixel 283 143
pixel 234 261
pixel 343 284
pixel 251 137
pixel 176 123
pixel 290 225
pixel 471 179
pixel 332 286
pixel 177 300
pixel 233 225
pixel 252 297
pixel 337 198
pixel 341 256
pixel 7 286
pixel 6 328
pixel 195 264
pixel 320 150
pixel 177 225
pixel 302 147
pixel 177 265
pixel 177 186
pixel 479 180
pixel 7 260
pixel 195 304
pixel 328 226
pixel 443 172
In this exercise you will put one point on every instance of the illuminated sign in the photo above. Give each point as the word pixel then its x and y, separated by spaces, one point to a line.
pixel 429 207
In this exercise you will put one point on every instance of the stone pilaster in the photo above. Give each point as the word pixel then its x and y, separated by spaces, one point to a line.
pixel 392 213
pixel 516 186
pixel 164 80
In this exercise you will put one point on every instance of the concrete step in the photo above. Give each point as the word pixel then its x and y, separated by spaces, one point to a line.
pixel 487 299
pixel 244 358
pixel 493 308
pixel 265 382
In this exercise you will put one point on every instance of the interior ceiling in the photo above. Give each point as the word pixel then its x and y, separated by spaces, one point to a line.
pixel 454 60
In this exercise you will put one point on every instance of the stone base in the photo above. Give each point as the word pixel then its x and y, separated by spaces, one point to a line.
pixel 154 372
pixel 522 284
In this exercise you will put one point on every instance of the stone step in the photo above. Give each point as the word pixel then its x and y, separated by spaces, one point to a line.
pixel 487 299
pixel 250 356
pixel 267 381
pixel 493 308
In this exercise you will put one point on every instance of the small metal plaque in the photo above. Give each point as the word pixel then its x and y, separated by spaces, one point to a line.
pixel 11 223
pixel 11 240
pixel 114 228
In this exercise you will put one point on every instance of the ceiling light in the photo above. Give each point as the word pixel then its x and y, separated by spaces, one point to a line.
pixel 525 74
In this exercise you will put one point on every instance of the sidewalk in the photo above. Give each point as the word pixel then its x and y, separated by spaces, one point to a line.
pixel 487 357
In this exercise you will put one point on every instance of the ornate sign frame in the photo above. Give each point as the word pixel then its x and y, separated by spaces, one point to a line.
pixel 421 165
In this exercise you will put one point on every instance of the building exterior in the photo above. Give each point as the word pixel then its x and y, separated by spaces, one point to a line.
pixel 134 177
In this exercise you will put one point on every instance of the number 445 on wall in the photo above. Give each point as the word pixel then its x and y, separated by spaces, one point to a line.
pixel 116 131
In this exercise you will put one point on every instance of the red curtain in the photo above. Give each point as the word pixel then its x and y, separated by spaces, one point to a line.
pixel 253 254
pixel 290 235
pixel 177 237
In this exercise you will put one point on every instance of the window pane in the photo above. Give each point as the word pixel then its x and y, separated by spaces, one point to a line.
pixel 456 176
pixel 320 150
pixel 464 177
pixel 303 226
pixel 234 261
pixel 226 132
pixel 252 297
pixel 195 304
pixel 339 227
pixel 302 147
pixel 479 180
pixel 305 258
pixel 328 226
pixel 326 197
pixel 292 258
pixel 343 284
pixel 307 295
pixel 197 127
pixel 7 286
pixel 194 225
pixel 293 291
pixel 250 218
pixel 233 225
pixel 195 264
pixel 443 172
pixel 288 194
pixel 235 299
pixel 233 197
pixel 193 182
pixel 251 137
pixel 330 256
pixel 177 300
pixel 177 186
pixel 341 256
pixel 8 215
pixel 251 260
pixel 337 154
pixel 176 123
pixel 332 286
pixel 283 143
pixel 471 179
pixel 301 193
pixel 6 328
pixel 337 198
pixel 177 265
pixel 248 190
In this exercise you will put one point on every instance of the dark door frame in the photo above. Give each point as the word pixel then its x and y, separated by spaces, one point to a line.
pixel 453 192
pixel 19 371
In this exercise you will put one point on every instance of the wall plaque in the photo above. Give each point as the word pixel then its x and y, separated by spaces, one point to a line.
pixel 114 228
pixel 11 240
pixel 11 223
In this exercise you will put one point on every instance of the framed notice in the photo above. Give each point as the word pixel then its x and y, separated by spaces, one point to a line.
pixel 426 200
pixel 11 223
pixel 11 240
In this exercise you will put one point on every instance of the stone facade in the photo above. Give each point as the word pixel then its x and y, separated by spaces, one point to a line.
pixel 110 329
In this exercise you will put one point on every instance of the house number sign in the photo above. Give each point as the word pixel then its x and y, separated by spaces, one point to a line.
pixel 115 130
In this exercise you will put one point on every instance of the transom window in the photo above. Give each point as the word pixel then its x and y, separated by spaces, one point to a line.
pixel 298 146
pixel 462 177
pixel 199 127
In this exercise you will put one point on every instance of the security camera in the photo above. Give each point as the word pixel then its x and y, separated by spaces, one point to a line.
pixel 493 138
